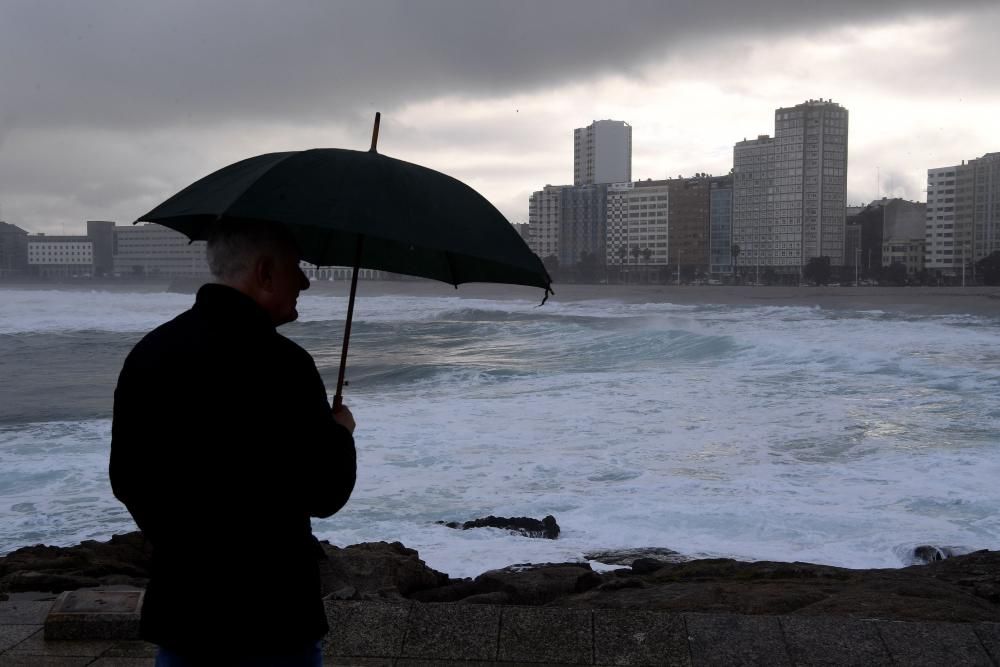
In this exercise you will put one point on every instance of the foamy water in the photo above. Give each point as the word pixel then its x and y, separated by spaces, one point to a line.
pixel 836 437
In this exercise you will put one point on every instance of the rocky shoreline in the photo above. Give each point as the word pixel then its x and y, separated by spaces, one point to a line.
pixel 963 588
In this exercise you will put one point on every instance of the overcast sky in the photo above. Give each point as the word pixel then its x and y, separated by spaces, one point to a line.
pixel 109 107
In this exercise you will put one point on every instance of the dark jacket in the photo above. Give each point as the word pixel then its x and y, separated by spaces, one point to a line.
pixel 223 445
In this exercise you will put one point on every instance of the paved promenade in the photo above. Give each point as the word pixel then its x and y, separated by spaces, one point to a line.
pixel 376 633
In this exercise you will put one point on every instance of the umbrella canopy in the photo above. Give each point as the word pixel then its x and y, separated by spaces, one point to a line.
pixel 414 220
pixel 362 209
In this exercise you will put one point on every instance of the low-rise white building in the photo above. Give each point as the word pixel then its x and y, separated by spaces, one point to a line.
pixel 60 256
pixel 154 250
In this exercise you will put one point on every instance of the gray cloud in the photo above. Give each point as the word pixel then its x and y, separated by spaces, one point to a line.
pixel 107 107
pixel 124 63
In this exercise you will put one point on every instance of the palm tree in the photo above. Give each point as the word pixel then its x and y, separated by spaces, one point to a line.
pixel 622 255
pixel 646 254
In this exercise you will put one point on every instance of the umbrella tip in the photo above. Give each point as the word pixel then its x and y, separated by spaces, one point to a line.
pixel 378 117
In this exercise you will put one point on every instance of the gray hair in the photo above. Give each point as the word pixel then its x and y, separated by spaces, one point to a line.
pixel 234 245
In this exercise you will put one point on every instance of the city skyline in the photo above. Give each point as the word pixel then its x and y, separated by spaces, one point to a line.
pixel 114 107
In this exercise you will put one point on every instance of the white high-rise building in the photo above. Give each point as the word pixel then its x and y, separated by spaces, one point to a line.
pixel 544 220
pixel 790 192
pixel 637 224
pixel 602 153
pixel 963 213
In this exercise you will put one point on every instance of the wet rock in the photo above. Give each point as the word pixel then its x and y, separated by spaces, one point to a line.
pixel 627 557
pixel 618 584
pixel 927 553
pixel 122 560
pixel 538 585
pixel 964 588
pixel 457 589
pixel 496 597
pixel 960 588
pixel 521 525
pixel 377 569
pixel 647 565
pixel 345 593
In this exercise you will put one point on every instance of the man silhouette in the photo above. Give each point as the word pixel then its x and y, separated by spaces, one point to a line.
pixel 223 447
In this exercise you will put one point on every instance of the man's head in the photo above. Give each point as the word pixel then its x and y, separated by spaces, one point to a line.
pixel 260 259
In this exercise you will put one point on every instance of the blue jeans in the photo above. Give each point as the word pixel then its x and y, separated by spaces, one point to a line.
pixel 311 655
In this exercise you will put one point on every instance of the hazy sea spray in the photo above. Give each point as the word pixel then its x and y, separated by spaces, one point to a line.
pixel 759 432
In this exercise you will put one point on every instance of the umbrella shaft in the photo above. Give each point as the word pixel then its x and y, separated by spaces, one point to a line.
pixel 338 399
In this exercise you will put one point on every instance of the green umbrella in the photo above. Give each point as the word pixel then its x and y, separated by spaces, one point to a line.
pixel 365 210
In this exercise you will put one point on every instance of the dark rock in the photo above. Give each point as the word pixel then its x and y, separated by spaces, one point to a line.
pixel 521 525
pixel 377 568
pixel 647 565
pixel 122 560
pixel 496 597
pixel 618 584
pixel 628 556
pixel 453 592
pixel 538 585
pixel 960 588
pixel 345 593
pixel 964 588
pixel 927 553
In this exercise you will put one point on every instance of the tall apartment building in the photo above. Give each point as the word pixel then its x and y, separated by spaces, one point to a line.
pixel 790 191
pixel 755 205
pixel 602 153
pixel 663 223
pixel 544 220
pixel 721 224
pixel 637 224
pixel 963 213
pixel 689 222
pixel 583 223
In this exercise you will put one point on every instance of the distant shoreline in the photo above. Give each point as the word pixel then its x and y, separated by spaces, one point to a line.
pixel 983 301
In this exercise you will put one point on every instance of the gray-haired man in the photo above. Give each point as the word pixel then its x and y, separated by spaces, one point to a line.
pixel 223 447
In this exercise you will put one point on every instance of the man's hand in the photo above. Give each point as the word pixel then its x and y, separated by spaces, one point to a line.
pixel 342 415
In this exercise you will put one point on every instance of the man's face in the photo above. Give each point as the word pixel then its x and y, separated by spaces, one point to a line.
pixel 282 292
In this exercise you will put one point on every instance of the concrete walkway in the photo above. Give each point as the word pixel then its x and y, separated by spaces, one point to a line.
pixel 377 633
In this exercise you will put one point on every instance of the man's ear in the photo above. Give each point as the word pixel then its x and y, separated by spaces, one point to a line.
pixel 263 271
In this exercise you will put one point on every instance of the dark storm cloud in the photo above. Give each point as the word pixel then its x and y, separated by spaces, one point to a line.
pixel 179 63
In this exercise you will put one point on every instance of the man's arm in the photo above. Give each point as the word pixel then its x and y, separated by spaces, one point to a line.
pixel 131 481
pixel 330 465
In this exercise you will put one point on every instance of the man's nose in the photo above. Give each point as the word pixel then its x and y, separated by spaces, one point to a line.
pixel 303 280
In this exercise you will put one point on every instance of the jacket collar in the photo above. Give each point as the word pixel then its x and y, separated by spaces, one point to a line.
pixel 233 306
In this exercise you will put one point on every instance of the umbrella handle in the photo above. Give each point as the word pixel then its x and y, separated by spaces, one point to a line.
pixel 378 117
pixel 338 399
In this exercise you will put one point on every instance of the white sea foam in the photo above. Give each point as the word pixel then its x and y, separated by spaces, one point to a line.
pixel 756 432
pixel 32 311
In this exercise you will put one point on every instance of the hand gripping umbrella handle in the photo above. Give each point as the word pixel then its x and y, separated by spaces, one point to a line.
pixel 338 399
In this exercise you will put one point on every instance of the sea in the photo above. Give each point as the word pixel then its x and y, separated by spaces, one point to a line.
pixel 837 436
